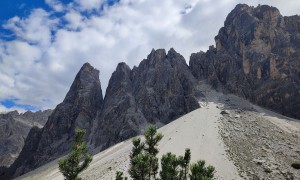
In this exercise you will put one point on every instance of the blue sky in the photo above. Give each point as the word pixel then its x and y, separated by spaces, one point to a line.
pixel 19 8
pixel 43 43
pixel 23 9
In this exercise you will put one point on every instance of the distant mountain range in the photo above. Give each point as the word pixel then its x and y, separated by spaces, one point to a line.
pixel 14 128
pixel 256 57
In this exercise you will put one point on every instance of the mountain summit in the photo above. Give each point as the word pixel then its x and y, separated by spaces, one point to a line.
pixel 256 57
pixel 78 109
pixel 158 91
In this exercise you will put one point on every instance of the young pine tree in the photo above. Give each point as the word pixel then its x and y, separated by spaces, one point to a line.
pixel 139 168
pixel 186 162
pixel 144 163
pixel 70 167
pixel 119 176
pixel 200 172
pixel 169 167
pixel 152 138
pixel 137 148
pixel 173 167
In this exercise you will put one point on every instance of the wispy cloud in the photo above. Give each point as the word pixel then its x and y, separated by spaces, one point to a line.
pixel 37 67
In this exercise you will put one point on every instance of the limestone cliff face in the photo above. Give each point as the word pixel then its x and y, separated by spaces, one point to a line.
pixel 78 109
pixel 158 91
pixel 257 57
pixel 14 128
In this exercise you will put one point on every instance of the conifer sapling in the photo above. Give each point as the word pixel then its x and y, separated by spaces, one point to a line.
pixel 70 167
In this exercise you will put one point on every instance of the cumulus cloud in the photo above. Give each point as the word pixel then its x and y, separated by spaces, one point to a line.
pixel 35 29
pixel 55 5
pixel 90 4
pixel 39 65
pixel 4 109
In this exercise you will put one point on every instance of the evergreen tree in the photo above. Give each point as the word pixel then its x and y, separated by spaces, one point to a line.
pixel 137 148
pixel 169 167
pixel 139 168
pixel 144 163
pixel 186 162
pixel 152 138
pixel 181 169
pixel 175 167
pixel 200 172
pixel 119 176
pixel 70 167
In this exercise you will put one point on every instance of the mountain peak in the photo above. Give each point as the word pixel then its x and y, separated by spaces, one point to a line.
pixel 86 79
pixel 122 66
pixel 158 54
pixel 78 109
pixel 87 67
pixel 255 57
pixel 248 14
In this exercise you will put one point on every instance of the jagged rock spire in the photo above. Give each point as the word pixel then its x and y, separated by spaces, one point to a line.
pixel 78 109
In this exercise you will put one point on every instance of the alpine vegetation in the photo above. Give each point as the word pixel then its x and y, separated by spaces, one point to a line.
pixel 144 163
pixel 70 167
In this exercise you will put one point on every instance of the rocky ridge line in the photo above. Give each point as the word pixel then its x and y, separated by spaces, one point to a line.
pixel 14 128
pixel 158 91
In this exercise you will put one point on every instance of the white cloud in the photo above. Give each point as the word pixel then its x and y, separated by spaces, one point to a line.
pixel 39 66
pixel 55 5
pixel 74 19
pixel 34 29
pixel 90 4
pixel 4 110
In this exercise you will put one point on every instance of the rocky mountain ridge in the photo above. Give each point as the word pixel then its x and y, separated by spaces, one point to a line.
pixel 14 128
pixel 78 109
pixel 256 57
pixel 159 90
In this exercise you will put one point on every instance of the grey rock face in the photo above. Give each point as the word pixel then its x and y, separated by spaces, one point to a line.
pixel 164 87
pixel 14 128
pixel 78 109
pixel 120 118
pixel 256 57
pixel 158 91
